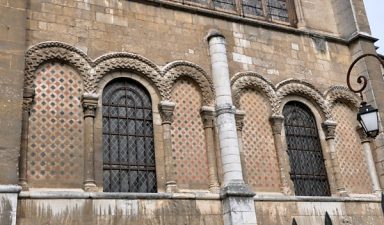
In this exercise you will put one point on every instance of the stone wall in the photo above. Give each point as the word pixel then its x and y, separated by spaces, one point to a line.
pixel 119 210
pixel 340 211
pixel 12 42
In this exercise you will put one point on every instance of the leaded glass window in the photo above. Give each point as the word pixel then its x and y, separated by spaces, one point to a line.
pixel 128 144
pixel 306 160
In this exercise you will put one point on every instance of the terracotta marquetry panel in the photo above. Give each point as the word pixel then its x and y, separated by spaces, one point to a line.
pixel 349 151
pixel 55 138
pixel 188 139
pixel 261 161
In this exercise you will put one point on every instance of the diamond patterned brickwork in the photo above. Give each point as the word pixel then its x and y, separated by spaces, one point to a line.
pixel 55 142
pixel 188 139
pixel 349 151
pixel 258 146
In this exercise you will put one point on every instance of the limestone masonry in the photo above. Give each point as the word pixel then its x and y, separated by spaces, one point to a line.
pixel 187 112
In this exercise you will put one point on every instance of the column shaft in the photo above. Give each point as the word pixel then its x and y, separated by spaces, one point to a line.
pixel 282 156
pixel 207 114
pixel 329 129
pixel 27 104
pixel 365 141
pixel 89 107
pixel 166 110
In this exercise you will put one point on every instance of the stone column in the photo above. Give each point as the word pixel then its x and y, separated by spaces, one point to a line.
pixel 239 117
pixel 329 130
pixel 208 114
pixel 365 141
pixel 287 186
pixel 27 105
pixel 89 108
pixel 166 112
pixel 238 203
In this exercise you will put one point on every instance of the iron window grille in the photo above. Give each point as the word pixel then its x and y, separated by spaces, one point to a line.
pixel 306 160
pixel 128 144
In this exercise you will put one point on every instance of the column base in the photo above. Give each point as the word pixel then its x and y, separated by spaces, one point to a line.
pixel 171 187
pixel 90 186
pixel 214 188
pixel 24 185
pixel 342 192
pixel 238 204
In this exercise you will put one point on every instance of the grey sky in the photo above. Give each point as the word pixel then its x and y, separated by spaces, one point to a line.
pixel 375 12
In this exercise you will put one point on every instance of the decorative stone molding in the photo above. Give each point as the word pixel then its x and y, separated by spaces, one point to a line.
pixel 208 115
pixel 173 71
pixel 130 62
pixel 45 51
pixel 166 111
pixel 329 128
pixel 304 89
pixel 277 123
pixel 251 80
pixel 226 108
pixel 343 94
pixel 239 117
pixel 89 105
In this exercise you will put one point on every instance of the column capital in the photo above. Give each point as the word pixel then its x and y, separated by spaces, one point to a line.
pixel 89 105
pixel 166 111
pixel 363 136
pixel 239 117
pixel 214 33
pixel 207 114
pixel 329 128
pixel 277 123
pixel 28 95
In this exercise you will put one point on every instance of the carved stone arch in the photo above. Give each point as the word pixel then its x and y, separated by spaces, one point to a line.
pixel 123 61
pixel 343 94
pixel 42 52
pixel 302 89
pixel 244 80
pixel 174 70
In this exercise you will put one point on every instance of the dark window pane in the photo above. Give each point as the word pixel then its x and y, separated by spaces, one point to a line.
pixel 128 150
pixel 304 150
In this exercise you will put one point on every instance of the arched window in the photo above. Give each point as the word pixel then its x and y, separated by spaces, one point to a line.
pixel 128 145
pixel 304 150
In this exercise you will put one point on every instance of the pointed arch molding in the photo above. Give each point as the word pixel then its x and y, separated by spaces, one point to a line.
pixel 175 70
pixel 251 80
pixel 343 94
pixel 92 71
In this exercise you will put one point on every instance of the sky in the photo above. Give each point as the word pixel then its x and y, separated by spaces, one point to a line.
pixel 375 12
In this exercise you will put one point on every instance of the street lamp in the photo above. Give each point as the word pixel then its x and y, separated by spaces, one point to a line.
pixel 367 116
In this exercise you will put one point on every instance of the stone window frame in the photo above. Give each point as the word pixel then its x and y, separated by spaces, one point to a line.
pixel 157 127
pixel 320 120
pixel 239 10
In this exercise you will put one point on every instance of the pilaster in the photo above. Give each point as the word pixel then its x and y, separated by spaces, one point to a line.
pixel 329 128
pixel 166 112
pixel 89 108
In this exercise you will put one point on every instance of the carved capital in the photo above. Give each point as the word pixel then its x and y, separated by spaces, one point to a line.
pixel 239 117
pixel 89 105
pixel 27 104
pixel 207 114
pixel 329 128
pixel 166 111
pixel 277 123
pixel 363 136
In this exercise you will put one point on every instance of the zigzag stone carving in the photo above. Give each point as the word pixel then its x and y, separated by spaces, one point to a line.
pixel 45 51
pixel 93 71
pixel 304 89
pixel 177 69
pixel 131 62
pixel 243 81
pixel 342 93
